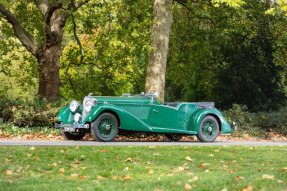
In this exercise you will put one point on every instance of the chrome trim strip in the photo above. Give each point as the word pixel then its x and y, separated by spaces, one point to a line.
pixel 77 126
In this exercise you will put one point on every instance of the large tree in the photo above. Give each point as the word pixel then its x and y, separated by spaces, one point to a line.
pixel 46 51
pixel 155 75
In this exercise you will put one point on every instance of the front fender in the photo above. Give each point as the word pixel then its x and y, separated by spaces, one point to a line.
pixel 127 120
pixel 65 115
pixel 197 117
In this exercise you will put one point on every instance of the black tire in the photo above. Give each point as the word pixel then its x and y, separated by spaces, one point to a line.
pixel 172 137
pixel 73 136
pixel 105 128
pixel 208 129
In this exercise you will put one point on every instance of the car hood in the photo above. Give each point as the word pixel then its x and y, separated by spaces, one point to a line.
pixel 120 100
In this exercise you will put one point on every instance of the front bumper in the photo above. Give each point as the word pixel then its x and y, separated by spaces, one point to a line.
pixel 233 126
pixel 72 127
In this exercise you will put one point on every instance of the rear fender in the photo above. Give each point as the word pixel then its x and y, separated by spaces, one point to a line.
pixel 197 117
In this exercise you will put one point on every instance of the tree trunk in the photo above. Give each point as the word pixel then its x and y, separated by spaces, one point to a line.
pixel 155 75
pixel 49 59
pixel 49 80
pixel 48 54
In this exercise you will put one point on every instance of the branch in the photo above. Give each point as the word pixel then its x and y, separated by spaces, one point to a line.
pixel 79 4
pixel 188 8
pixel 43 6
pixel 77 38
pixel 50 11
pixel 28 41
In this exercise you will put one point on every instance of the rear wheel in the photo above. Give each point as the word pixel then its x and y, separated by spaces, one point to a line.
pixel 208 129
pixel 105 128
pixel 172 137
pixel 73 136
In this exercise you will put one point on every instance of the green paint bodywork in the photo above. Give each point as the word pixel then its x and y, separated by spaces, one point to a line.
pixel 146 114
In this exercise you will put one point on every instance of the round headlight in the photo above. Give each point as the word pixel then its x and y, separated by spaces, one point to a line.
pixel 77 117
pixel 88 105
pixel 74 106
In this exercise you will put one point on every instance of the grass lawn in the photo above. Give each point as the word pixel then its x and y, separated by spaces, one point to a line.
pixel 143 168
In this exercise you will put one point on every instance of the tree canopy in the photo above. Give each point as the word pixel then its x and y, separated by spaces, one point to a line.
pixel 223 51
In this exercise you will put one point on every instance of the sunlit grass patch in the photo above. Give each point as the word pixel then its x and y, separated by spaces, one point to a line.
pixel 143 168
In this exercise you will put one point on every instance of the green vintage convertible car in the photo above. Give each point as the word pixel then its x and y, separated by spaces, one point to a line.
pixel 105 117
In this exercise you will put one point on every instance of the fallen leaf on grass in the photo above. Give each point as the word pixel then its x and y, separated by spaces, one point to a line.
pixel 104 150
pixel 239 178
pixel 100 177
pixel 83 177
pixel 251 148
pixel 20 168
pixel 82 156
pixel 55 164
pixel 206 171
pixel 29 154
pixel 280 181
pixel 9 172
pixel 32 148
pixel 201 166
pixel 249 188
pixel 189 174
pixel 182 168
pixel 189 159
pixel 127 169
pixel 126 177
pixel 147 162
pixel 169 174
pixel 76 162
pixel 266 176
pixel 150 171
pixel 187 187
pixel 79 188
pixel 128 160
pixel 193 179
pixel 224 189
pixel 37 158
pixel 283 169
pixel 62 170
pixel 156 154
pixel 211 155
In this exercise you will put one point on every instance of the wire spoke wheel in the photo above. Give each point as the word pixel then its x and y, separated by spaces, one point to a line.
pixel 208 129
pixel 105 127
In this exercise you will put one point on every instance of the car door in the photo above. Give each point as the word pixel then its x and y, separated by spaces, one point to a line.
pixel 168 116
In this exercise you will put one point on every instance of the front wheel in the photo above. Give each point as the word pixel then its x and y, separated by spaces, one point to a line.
pixel 73 136
pixel 105 128
pixel 208 129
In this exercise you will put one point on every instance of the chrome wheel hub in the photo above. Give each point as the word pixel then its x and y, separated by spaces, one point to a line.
pixel 209 129
pixel 108 127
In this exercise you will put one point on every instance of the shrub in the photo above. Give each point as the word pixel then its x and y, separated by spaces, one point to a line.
pixel 35 113
pixel 256 124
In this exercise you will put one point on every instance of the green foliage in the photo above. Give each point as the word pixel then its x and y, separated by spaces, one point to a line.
pixel 256 124
pixel 8 129
pixel 227 55
pixel 36 113
pixel 116 43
